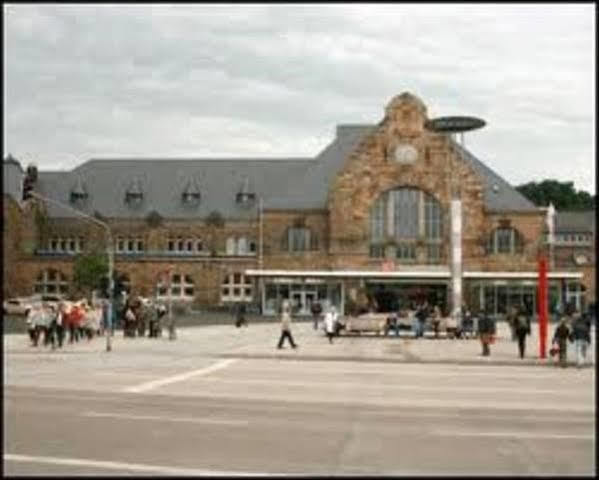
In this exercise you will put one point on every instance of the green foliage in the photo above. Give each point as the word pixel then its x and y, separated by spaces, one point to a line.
pixel 563 195
pixel 89 269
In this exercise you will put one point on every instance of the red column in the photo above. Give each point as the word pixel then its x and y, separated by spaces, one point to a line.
pixel 542 306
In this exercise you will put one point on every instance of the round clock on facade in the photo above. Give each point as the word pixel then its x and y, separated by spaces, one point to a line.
pixel 405 153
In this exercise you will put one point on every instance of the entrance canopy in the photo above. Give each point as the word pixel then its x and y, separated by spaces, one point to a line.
pixel 409 274
pixel 349 273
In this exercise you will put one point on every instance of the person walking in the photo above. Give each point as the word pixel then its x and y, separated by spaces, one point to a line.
pixel 581 334
pixel 240 315
pixel 436 320
pixel 521 329
pixel 486 329
pixel 316 310
pixel 286 325
pixel 560 337
pixel 421 316
pixel 60 333
pixel 512 319
pixel 329 323
pixel 129 330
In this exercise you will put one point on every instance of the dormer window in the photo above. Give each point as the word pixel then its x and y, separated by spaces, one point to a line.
pixel 245 198
pixel 191 194
pixel 134 193
pixel 78 194
pixel 245 195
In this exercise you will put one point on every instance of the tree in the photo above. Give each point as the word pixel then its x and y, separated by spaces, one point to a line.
pixel 563 195
pixel 89 271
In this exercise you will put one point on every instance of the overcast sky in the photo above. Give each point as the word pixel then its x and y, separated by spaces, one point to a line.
pixel 87 80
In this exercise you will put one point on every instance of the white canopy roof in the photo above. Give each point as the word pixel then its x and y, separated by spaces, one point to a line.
pixel 432 274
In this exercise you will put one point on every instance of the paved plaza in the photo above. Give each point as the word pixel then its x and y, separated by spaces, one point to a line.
pixel 224 401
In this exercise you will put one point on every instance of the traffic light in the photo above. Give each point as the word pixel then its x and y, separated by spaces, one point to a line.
pixel 27 188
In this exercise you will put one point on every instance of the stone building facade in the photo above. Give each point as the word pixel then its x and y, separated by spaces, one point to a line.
pixel 371 212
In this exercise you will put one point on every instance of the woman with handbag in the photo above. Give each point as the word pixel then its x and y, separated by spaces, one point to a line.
pixel 560 337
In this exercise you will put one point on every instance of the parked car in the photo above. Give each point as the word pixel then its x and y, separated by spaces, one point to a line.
pixel 20 305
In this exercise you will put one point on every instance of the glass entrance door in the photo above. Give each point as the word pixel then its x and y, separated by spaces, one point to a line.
pixel 302 301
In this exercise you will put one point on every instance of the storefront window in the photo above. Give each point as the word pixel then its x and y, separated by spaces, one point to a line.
pixel 302 295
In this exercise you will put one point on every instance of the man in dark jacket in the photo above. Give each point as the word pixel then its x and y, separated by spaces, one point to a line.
pixel 581 335
pixel 421 316
pixel 240 315
pixel 521 329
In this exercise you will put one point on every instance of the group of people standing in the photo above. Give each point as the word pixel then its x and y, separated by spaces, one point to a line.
pixel 141 314
pixel 576 328
pixel 572 327
pixel 54 322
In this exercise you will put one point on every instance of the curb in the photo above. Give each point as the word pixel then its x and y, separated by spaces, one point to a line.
pixel 441 361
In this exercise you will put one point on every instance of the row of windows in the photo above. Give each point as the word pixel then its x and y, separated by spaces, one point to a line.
pixel 295 239
pixel 235 287
pixel 188 245
pixel 129 245
pixel 569 238
pixel 66 245
pixel 407 252
pixel 501 241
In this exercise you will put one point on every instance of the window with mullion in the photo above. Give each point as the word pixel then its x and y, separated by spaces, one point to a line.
pixel 299 239
pixel 377 221
pixel 504 240
pixel 51 281
pixel 405 213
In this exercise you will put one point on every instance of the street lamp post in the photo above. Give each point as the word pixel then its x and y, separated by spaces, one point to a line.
pixel 109 251
pixel 452 126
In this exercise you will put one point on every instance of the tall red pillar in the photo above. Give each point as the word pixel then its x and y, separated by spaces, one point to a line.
pixel 542 306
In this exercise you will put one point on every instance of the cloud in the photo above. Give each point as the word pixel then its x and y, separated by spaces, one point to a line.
pixel 85 80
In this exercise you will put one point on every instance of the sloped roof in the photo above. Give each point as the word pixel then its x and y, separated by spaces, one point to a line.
pixel 282 183
pixel 499 195
pixel 163 181
pixel 575 221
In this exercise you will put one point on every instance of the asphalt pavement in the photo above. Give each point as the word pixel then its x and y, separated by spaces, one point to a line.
pixel 224 401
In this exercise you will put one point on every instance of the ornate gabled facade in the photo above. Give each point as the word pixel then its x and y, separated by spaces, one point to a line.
pixel 371 212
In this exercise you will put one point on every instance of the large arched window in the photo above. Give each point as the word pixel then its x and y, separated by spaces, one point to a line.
pixel 406 219
pixel 51 281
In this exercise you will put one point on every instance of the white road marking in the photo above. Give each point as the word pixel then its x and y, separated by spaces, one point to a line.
pixel 400 386
pixel 136 467
pixel 125 416
pixel 549 436
pixel 144 387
